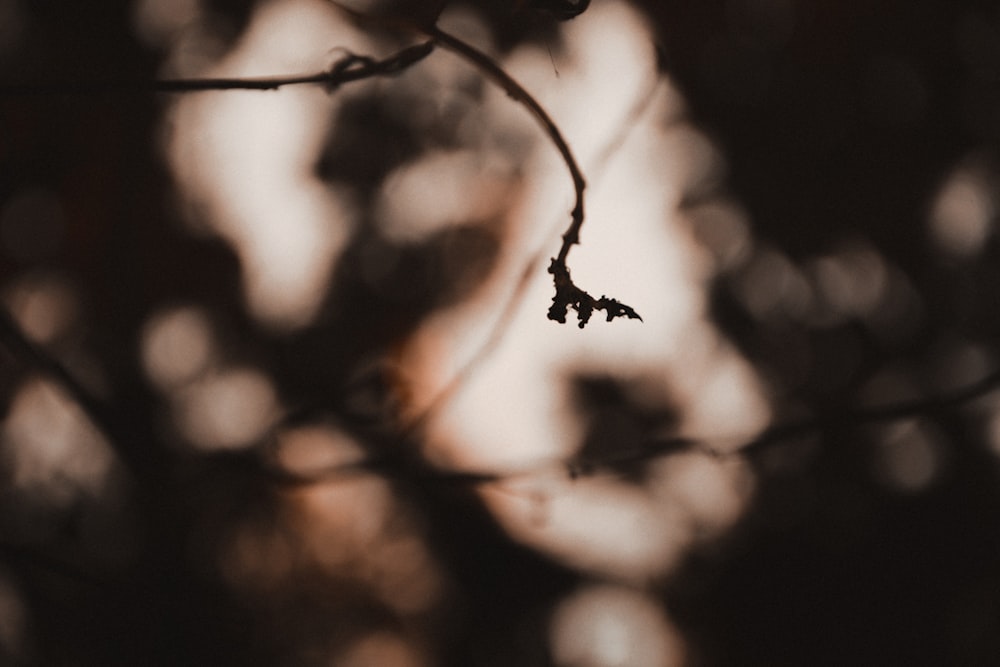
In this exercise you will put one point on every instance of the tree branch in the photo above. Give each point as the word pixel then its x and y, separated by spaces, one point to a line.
pixel 349 68
pixel 567 295
pixel 650 450
pixel 511 304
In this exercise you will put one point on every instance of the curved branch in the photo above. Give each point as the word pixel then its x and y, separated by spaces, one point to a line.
pixel 512 302
pixel 568 294
pixel 519 94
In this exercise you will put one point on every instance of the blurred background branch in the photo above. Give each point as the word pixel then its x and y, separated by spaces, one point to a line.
pixel 276 389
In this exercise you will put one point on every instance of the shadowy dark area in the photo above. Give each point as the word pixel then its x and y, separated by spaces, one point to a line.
pixel 865 543
pixel 840 121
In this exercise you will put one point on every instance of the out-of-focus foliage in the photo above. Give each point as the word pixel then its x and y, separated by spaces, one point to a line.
pixel 335 425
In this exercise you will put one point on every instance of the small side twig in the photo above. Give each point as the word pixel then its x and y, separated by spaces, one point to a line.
pixel 349 68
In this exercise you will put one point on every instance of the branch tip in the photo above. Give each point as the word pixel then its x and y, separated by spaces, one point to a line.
pixel 568 295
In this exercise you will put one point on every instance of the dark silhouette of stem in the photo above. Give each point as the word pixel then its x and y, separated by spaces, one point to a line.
pixel 519 94
pixel 349 68
pixel 510 305
pixel 568 294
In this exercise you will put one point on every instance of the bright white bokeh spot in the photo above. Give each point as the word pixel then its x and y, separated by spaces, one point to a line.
pixel 441 189
pixel 246 161
pixel 606 626
pixel 596 524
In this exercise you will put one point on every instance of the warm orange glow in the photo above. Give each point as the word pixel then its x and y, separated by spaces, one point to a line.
pixel 313 450
pixel 353 524
pixel 245 160
pixel 513 412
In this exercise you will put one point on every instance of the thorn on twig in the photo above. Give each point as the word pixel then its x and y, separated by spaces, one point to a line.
pixel 568 295
pixel 353 67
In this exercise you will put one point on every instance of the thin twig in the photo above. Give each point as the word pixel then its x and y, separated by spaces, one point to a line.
pixel 514 300
pixel 350 67
pixel 519 94
pixel 568 294
pixel 617 460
